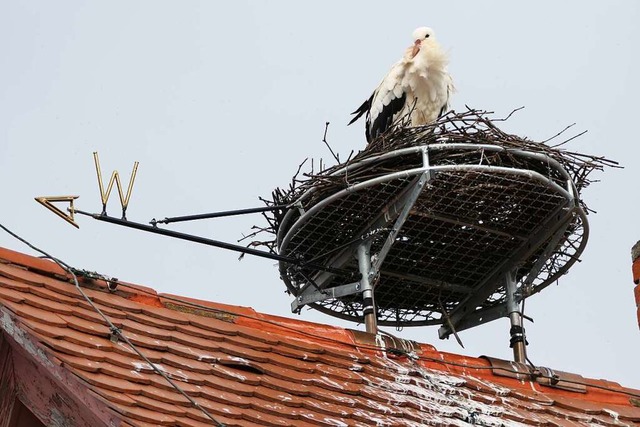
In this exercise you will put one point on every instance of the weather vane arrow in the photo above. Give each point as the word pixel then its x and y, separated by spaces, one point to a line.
pixel 48 202
pixel 69 215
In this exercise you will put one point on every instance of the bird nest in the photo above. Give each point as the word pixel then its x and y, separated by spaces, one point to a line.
pixel 477 203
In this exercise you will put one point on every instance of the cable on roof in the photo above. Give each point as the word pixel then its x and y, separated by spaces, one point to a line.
pixel 115 332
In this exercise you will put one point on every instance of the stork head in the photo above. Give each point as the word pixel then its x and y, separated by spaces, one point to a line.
pixel 422 35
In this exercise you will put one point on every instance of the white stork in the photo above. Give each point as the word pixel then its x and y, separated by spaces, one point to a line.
pixel 416 90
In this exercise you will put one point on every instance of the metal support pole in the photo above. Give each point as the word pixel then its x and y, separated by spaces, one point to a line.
pixel 211 242
pixel 364 263
pixel 518 341
pixel 218 214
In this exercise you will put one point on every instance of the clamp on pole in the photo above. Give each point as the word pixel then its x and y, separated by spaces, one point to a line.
pixel 369 308
pixel 518 341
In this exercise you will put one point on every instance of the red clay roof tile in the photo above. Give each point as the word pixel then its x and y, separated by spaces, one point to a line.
pixel 298 364
pixel 62 346
pixel 52 295
pixel 106 382
pixel 238 375
pixel 268 394
pixel 256 344
pixel 147 320
pixel 175 410
pixel 165 315
pixel 196 332
pixel 113 301
pixel 180 362
pixel 35 264
pixel 38 315
pixel 165 396
pixel 114 397
pixel 247 368
pixel 191 421
pixel 48 305
pixel 146 415
pixel 81 363
pixel 8 283
pixel 21 273
pixel 12 295
pixel 286 386
pixel 83 325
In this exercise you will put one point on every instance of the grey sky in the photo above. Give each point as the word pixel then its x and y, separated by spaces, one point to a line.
pixel 220 102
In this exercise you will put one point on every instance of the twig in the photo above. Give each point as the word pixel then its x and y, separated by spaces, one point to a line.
pixel 558 134
pixel 510 114
pixel 324 139
pixel 570 139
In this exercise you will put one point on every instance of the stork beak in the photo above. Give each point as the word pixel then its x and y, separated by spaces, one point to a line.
pixel 416 48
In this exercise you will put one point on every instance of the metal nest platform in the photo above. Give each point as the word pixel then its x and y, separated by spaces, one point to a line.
pixel 439 225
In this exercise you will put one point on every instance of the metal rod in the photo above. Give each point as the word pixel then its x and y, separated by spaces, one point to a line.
pixel 369 307
pixel 518 341
pixel 217 214
pixel 323 295
pixel 416 190
pixel 209 242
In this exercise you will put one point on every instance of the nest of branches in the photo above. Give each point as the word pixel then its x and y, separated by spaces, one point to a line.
pixel 492 202
pixel 469 127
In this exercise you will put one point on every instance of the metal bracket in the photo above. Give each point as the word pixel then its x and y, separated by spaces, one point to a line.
pixel 368 301
pixel 313 295
pixel 518 340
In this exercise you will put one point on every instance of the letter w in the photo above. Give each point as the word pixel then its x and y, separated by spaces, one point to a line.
pixel 124 198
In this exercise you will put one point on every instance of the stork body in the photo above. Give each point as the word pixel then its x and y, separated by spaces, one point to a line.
pixel 415 92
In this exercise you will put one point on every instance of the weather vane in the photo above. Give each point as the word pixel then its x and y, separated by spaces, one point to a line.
pixel 69 216
pixel 71 211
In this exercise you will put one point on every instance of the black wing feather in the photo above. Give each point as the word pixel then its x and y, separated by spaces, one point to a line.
pixel 445 107
pixel 364 108
pixel 385 119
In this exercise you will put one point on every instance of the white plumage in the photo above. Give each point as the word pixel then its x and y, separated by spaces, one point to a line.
pixel 415 91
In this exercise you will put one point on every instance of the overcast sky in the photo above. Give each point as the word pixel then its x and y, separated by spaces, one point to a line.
pixel 220 104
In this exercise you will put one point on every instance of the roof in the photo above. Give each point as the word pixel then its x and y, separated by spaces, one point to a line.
pixel 246 368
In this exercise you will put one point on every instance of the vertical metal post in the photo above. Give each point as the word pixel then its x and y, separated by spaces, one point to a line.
pixel 518 341
pixel 364 263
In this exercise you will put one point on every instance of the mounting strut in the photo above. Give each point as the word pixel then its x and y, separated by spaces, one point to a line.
pixel 369 307
pixel 518 341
